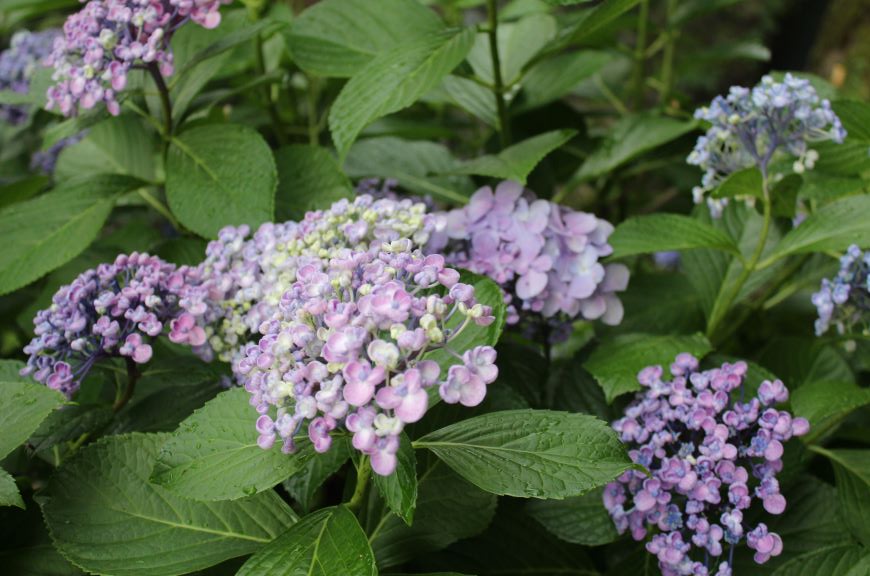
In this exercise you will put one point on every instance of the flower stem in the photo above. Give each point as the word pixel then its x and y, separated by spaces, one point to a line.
pixel 498 89
pixel 362 481
pixel 640 54
pixel 277 125
pixel 165 102
pixel 667 78
pixel 132 377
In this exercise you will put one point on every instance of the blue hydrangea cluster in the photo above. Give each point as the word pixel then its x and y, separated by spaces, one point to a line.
pixel 27 51
pixel 107 38
pixel 844 301
pixel 546 257
pixel 114 310
pixel 349 347
pixel 749 126
pixel 710 457
pixel 249 276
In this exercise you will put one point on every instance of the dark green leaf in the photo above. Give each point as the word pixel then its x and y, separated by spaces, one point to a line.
pixel 518 43
pixel 24 405
pixel 122 145
pixel 598 18
pixel 837 560
pixel 9 495
pixel 852 470
pixel 309 178
pixel 855 116
pixel 399 490
pixel 663 232
pixel 303 485
pixel 472 97
pixel 741 183
pixel 580 519
pixel 555 77
pixel 825 404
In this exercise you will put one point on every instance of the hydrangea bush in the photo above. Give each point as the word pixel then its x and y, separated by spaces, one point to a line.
pixel 346 288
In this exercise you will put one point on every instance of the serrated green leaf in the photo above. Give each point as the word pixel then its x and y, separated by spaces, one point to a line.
pixel 741 183
pixel 838 560
pixel 847 159
pixel 68 424
pixel 855 116
pixel 555 77
pixel 518 43
pixel 472 97
pixel 214 453
pixel 303 485
pixel 399 490
pixel 825 404
pixel 309 178
pixel 24 405
pixel 595 20
pixel 852 471
pixel 531 453
pixel 9 494
pixel 338 37
pixel 107 518
pixel 517 161
pixel 22 189
pixel 220 175
pixel 615 363
pixel 328 542
pixel 664 232
pixel 579 520
pixel 264 27
pixel 393 81
pixel 122 145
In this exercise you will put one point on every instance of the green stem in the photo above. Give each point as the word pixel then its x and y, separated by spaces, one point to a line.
pixel 277 125
pixel 165 102
pixel 667 78
pixel 160 207
pixel 313 124
pixel 640 54
pixel 498 89
pixel 362 482
pixel 132 378
pixel 608 93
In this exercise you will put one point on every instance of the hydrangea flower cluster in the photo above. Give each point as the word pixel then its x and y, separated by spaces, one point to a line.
pixel 248 277
pixel 348 347
pixel 545 256
pixel 114 311
pixel 750 125
pixel 26 52
pixel 845 300
pixel 107 38
pixel 710 457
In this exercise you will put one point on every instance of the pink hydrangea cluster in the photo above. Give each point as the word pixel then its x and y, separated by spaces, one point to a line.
pixel 248 276
pixel 114 310
pixel 710 457
pixel 349 348
pixel 107 38
pixel 545 256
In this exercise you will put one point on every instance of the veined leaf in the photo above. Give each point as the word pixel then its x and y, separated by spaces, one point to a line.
pixel 399 489
pixel 580 519
pixel 663 232
pixel 24 405
pixel 826 403
pixel 852 470
pixel 309 178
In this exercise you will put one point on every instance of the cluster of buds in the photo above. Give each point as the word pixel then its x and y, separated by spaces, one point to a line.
pixel 349 348
pixel 749 126
pixel 546 257
pixel 114 310
pixel 25 54
pixel 107 38
pixel 710 457
pixel 844 301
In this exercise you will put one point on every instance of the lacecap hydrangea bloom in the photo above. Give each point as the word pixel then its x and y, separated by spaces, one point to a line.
pixel 114 310
pixel 26 53
pixel 545 256
pixel 107 38
pixel 348 348
pixel 844 301
pixel 248 276
pixel 749 126
pixel 711 457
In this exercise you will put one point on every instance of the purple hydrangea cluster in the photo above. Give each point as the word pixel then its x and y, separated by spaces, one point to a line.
pixel 349 347
pixel 249 276
pixel 107 38
pixel 26 52
pixel 845 300
pixel 709 457
pixel 546 257
pixel 750 125
pixel 114 310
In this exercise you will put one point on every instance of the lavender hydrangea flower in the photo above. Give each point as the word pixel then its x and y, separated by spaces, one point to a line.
pixel 348 348
pixel 749 126
pixel 26 52
pixel 845 300
pixel 107 38
pixel 114 310
pixel 546 257
pixel 701 448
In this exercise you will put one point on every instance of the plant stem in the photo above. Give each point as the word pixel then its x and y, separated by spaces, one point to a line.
pixel 277 125
pixel 160 207
pixel 640 54
pixel 498 89
pixel 362 482
pixel 132 378
pixel 667 78
pixel 313 128
pixel 165 102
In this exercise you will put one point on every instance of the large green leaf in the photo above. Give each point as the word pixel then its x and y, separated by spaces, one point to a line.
pixel 309 178
pixel 616 363
pixel 43 233
pixel 596 19
pixel 122 145
pixel 531 453
pixel 746 182
pixel 107 518
pixel 852 470
pixel 825 404
pixel 399 490
pixel 9 495
pixel 663 232
pixel 214 454
pixel 395 80
pixel 855 116
pixel 472 97
pixel 518 43
pixel 24 405
pixel 836 560
pixel 517 161
pixel 220 175
pixel 580 519
pixel 555 77
pixel 338 37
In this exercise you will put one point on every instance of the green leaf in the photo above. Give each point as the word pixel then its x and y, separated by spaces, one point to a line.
pixel 517 161
pixel 21 189
pixel 784 196
pixel 472 97
pixel 106 517
pixel 303 485
pixel 309 178
pixel 399 490
pixel 339 37
pixel 825 404
pixel 616 363
pixel 663 232
pixel 531 453
pixel 852 470
pixel 37 560
pixel 328 542
pixel 68 424
pixel 837 560
pixel 9 494
pixel 597 18
pixel 518 43
pixel 579 520
pixel 393 81
pixel 214 454
pixel 24 405
pixel 855 116
pixel 182 250
pixel 220 175
pixel 629 138
pixel 265 27
pixel 834 227
pixel 555 77
pixel 121 145
pixel 43 233
pixel 846 159
pixel 742 183
pixel 660 304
